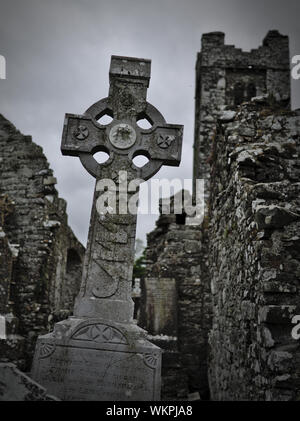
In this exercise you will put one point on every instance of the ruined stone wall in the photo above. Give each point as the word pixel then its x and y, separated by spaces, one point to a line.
pixel 254 255
pixel 247 255
pixel 174 277
pixel 12 345
pixel 6 269
pixel 47 271
pixel 227 76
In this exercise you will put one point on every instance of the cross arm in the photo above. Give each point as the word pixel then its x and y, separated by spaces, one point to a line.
pixel 163 143
pixel 82 135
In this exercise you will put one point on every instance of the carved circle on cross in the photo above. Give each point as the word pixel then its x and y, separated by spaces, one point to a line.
pixel 122 136
pixel 81 133
pixel 164 141
pixel 103 106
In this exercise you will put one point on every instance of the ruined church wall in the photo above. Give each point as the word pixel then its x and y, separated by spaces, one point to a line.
pixel 254 256
pixel 6 269
pixel 174 258
pixel 38 226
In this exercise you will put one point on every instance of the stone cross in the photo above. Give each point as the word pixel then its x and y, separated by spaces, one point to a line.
pixel 98 353
pixel 107 273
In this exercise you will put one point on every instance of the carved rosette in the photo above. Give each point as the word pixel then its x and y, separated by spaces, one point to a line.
pixel 165 140
pixel 81 133
pixel 100 333
pixel 150 359
pixel 46 349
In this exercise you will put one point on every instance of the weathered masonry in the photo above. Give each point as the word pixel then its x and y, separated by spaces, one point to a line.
pixel 175 304
pixel 246 262
pixel 227 76
pixel 254 255
pixel 40 258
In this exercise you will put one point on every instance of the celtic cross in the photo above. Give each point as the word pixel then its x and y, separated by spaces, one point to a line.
pixel 106 281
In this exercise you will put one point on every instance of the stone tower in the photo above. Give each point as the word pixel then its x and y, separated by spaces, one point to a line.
pixel 227 76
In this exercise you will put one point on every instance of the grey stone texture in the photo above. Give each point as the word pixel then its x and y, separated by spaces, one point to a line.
pixel 106 286
pixel 38 251
pixel 160 306
pixel 100 354
pixel 226 76
pixel 246 258
pixel 175 304
pixel 254 255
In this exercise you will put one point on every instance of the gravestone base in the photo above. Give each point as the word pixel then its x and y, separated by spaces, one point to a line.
pixel 98 360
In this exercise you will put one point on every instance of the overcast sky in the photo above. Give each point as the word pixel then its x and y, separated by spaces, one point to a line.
pixel 58 54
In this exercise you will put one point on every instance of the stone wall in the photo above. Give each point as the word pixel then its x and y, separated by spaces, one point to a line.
pixel 174 279
pixel 12 345
pixel 254 255
pixel 8 257
pixel 47 271
pixel 246 254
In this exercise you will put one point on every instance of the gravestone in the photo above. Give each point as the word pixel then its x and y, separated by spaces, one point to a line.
pixel 99 353
pixel 160 307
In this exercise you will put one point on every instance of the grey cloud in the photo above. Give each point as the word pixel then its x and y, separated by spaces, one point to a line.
pixel 58 56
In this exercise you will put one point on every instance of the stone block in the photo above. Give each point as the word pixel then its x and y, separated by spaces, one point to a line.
pixel 160 307
pixel 16 386
pixel 49 181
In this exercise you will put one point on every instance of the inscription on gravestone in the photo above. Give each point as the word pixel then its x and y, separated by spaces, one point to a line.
pixel 99 354
pixel 159 310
